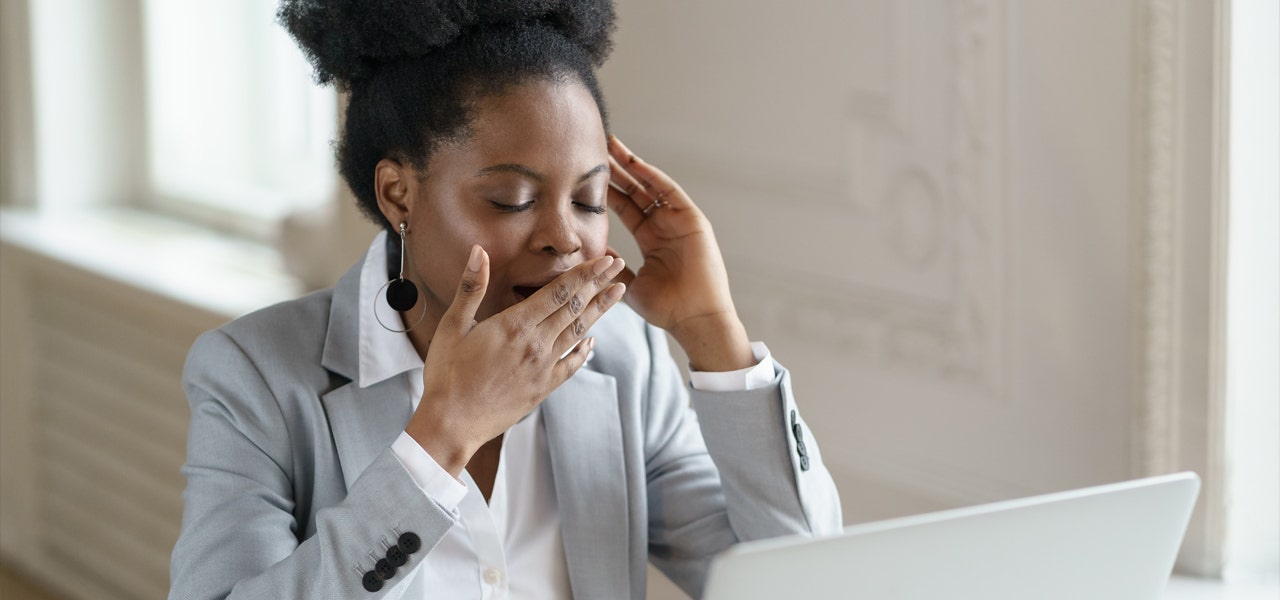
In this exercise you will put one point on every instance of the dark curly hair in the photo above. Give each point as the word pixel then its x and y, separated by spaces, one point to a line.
pixel 414 69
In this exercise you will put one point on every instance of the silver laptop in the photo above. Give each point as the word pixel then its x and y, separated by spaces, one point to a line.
pixel 1114 541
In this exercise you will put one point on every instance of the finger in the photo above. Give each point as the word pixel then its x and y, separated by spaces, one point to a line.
pixel 626 275
pixel 621 180
pixel 599 305
pixel 475 279
pixel 577 302
pixel 625 207
pixel 561 291
pixel 567 366
pixel 652 180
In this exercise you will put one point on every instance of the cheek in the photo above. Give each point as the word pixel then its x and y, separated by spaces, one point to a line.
pixel 595 238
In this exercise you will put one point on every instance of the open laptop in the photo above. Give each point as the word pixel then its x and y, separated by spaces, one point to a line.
pixel 1114 541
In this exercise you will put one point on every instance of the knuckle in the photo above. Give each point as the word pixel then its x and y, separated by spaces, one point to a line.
pixel 470 285
pixel 533 351
pixel 513 330
pixel 561 293
pixel 575 304
pixel 579 327
pixel 632 189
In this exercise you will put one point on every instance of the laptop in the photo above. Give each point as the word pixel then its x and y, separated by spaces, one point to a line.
pixel 1114 541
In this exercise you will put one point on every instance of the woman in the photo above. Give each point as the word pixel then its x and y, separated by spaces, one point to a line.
pixel 469 413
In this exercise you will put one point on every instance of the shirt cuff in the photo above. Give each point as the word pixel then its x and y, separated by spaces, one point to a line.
pixel 431 478
pixel 750 378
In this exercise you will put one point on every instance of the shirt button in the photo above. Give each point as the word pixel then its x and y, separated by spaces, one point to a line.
pixel 492 576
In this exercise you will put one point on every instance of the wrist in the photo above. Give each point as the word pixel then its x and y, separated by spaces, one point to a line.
pixel 452 455
pixel 715 343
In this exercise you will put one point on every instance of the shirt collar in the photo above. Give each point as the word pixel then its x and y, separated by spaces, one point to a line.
pixel 383 353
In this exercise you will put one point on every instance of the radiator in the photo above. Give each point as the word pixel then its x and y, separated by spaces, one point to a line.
pixel 92 427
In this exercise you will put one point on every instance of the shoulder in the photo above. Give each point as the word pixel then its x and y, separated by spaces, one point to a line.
pixel 280 337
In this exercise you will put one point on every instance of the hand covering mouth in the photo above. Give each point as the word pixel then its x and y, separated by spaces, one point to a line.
pixel 524 291
pixel 538 282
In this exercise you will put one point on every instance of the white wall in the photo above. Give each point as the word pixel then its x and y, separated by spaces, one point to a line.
pixel 939 214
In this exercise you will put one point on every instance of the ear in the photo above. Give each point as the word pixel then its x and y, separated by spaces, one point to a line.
pixel 394 182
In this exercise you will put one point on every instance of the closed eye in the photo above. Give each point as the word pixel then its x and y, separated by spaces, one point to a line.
pixel 512 208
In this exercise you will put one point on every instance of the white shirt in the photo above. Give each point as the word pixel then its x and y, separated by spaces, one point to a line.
pixel 510 547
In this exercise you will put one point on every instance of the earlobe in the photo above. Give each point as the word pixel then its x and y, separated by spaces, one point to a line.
pixel 393 183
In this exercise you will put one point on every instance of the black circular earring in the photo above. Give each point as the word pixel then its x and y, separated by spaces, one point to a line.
pixel 401 293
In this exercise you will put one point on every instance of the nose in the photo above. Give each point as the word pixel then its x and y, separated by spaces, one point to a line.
pixel 556 232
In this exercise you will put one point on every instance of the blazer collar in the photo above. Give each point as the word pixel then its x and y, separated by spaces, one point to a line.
pixel 341 342
pixel 365 421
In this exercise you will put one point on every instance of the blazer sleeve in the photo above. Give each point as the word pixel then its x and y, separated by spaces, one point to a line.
pixel 240 534
pixel 732 469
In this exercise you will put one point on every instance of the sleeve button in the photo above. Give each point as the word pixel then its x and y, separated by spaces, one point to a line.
pixel 409 542
pixel 396 556
pixel 372 582
pixel 384 569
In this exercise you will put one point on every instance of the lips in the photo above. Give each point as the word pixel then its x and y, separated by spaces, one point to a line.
pixel 531 285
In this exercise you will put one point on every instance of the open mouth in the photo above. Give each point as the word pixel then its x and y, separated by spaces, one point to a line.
pixel 524 291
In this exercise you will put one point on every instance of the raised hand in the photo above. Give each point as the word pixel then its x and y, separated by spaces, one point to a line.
pixel 479 379
pixel 682 285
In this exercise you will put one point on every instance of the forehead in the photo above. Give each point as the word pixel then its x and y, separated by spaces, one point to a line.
pixel 547 125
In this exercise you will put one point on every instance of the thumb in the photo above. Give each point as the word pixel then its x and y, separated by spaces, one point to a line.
pixel 475 280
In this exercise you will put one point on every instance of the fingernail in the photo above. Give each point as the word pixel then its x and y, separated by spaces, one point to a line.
pixel 616 291
pixel 591 343
pixel 616 268
pixel 602 265
pixel 473 263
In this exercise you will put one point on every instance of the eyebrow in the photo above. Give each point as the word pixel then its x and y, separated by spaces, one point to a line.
pixel 534 175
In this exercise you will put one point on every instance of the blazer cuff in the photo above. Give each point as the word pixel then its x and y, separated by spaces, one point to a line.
pixel 751 378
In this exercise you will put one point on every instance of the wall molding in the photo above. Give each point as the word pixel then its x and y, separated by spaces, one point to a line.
pixel 1177 415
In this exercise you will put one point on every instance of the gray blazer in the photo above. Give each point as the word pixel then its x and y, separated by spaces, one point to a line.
pixel 293 491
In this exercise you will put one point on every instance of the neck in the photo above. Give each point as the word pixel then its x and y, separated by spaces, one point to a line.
pixel 420 336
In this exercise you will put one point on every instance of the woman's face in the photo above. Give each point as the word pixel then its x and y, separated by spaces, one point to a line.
pixel 529 185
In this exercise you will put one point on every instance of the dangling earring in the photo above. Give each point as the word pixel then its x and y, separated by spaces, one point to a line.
pixel 401 293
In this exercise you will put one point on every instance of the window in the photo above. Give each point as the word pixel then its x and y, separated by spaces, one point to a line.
pixel 1253 294
pixel 202 110
pixel 234 123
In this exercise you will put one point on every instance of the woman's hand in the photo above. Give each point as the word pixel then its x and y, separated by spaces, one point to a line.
pixel 479 379
pixel 682 286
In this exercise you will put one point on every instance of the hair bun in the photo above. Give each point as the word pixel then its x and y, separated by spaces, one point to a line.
pixel 345 40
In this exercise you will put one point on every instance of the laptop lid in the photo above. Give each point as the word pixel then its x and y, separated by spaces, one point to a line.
pixel 1115 541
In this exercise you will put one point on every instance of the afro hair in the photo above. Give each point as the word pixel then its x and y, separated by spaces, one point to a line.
pixel 414 68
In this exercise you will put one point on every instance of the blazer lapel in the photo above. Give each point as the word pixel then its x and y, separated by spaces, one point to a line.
pixel 584 436
pixel 366 421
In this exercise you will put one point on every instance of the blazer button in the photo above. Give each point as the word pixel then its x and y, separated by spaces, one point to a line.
pixel 372 582
pixel 409 542
pixel 396 556
pixel 804 463
pixel 384 569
